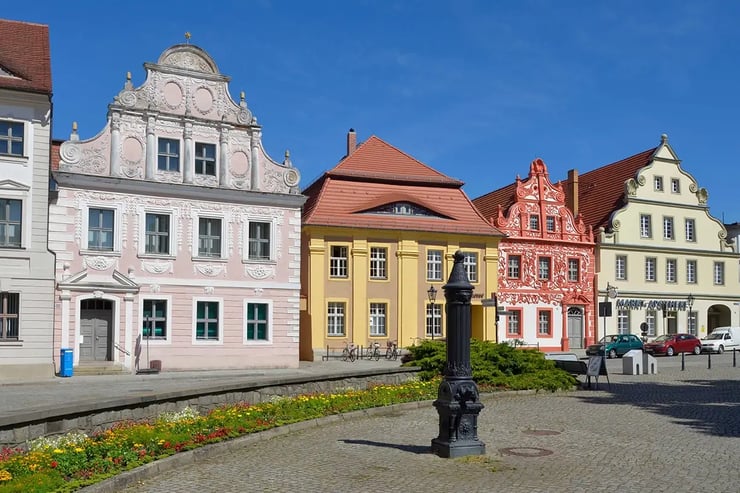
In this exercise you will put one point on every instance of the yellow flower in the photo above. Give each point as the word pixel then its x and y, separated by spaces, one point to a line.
pixel 58 451
pixel 5 475
pixel 79 449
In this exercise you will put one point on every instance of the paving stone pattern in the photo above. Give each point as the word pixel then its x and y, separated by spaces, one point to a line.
pixel 671 432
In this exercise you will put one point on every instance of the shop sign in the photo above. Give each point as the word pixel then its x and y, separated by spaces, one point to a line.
pixel 640 304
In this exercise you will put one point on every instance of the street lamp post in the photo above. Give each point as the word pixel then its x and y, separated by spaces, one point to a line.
pixel 689 304
pixel 611 293
pixel 432 295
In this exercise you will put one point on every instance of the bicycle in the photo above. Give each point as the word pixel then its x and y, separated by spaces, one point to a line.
pixel 349 352
pixel 373 350
pixel 391 352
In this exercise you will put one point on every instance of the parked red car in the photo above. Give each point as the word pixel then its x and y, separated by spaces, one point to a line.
pixel 670 344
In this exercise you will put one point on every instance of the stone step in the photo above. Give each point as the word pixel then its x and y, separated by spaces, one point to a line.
pixel 98 368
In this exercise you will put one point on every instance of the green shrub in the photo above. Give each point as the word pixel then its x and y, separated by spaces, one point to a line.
pixel 494 365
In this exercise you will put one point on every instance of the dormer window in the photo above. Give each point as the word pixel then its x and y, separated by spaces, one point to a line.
pixel 534 222
pixel 402 209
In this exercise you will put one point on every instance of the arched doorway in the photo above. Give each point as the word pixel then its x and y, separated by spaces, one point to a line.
pixel 575 327
pixel 96 329
pixel 718 316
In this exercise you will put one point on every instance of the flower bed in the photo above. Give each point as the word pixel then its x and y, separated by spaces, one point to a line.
pixel 69 462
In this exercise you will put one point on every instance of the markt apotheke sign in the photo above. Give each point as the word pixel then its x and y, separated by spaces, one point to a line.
pixel 638 304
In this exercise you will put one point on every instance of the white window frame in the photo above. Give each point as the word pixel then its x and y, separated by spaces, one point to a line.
pixel 671 270
pixel 512 269
pixel 623 321
pixel 169 156
pixel 334 318
pixel 534 222
pixel 208 342
pixel 22 224
pixel 433 320
pixel 270 322
pixel 675 185
pixel 669 232
pixel 651 266
pixel 514 319
pixel 273 239
pixel 620 268
pixel 544 262
pixel 574 269
pixel 434 265
pixel 544 323
pixel 658 183
pixel 117 228
pixel 25 139
pixel 470 263
pixel 155 297
pixel 646 226
pixel 692 319
pixel 173 214
pixel 691 271
pixel 690 229
pixel 550 224
pixel 4 324
pixel 196 237
pixel 378 263
pixel 718 273
pixel 197 157
pixel 338 265
pixel 651 318
pixel 378 324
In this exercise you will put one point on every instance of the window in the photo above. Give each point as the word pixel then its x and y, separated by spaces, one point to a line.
pixel 434 265
pixel 209 237
pixel 691 271
pixel 100 228
pixel 675 185
pixel 434 320
pixel 514 266
pixel 650 263
pixel 574 270
pixel 168 156
pixel 646 229
pixel 544 326
pixel 514 323
pixel 650 319
pixel 543 271
pixel 377 319
pixel 667 228
pixel 670 270
pixel 691 322
pixel 205 159
pixel 658 183
pixel 157 234
pixel 378 257
pixel 154 319
pixel 534 222
pixel 690 229
pixel 550 223
pixel 9 311
pixel 470 262
pixel 257 323
pixel 206 321
pixel 620 268
pixel 623 321
pixel 11 138
pixel 719 273
pixel 10 223
pixel 335 318
pixel 259 241
pixel 338 261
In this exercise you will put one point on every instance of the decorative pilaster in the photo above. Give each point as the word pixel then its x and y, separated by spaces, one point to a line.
pixel 188 165
pixel 224 157
pixel 115 144
pixel 151 147
pixel 256 169
pixel 65 297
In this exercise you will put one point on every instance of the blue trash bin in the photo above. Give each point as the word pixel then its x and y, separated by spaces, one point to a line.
pixel 65 366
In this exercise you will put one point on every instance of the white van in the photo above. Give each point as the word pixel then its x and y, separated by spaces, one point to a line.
pixel 721 339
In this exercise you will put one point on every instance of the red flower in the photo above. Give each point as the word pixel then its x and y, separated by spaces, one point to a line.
pixel 54 464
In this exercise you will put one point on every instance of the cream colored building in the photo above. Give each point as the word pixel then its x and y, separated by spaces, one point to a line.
pixel 671 262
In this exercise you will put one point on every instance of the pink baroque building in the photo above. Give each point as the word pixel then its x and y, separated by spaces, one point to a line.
pixel 177 237
pixel 546 264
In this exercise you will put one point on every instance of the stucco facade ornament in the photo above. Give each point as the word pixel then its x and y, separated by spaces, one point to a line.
pixel 258 291
pixel 205 180
pixel 211 270
pixel 244 117
pixel 209 289
pixel 292 177
pixel 274 181
pixel 154 267
pixel 154 288
pixel 70 153
pixel 260 271
pixel 188 61
pixel 98 294
pixel 99 262
pixel 168 176
pixel 128 99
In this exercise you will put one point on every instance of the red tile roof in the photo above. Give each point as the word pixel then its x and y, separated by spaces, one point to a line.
pixel 377 174
pixel 601 191
pixel 25 55
pixel 488 204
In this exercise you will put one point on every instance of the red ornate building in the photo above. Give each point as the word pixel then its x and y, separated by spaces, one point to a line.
pixel 546 264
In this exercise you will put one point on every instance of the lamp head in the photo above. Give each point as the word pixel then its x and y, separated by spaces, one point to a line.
pixel 432 294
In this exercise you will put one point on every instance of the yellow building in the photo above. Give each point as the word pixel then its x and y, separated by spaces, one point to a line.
pixel 378 237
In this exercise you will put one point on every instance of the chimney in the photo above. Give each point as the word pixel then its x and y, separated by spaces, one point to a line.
pixel 571 192
pixel 351 141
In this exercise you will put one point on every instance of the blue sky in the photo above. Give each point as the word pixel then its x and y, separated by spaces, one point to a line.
pixel 475 89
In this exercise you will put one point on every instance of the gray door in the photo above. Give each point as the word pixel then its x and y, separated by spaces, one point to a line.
pixel 96 326
pixel 575 328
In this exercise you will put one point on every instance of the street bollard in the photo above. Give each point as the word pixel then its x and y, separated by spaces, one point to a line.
pixel 709 360
pixel 683 361
pixel 734 358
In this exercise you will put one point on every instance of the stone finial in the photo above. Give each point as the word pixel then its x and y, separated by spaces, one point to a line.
pixel 664 139
pixel 74 135
pixel 242 101
pixel 128 84
pixel 187 37
pixel 286 161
